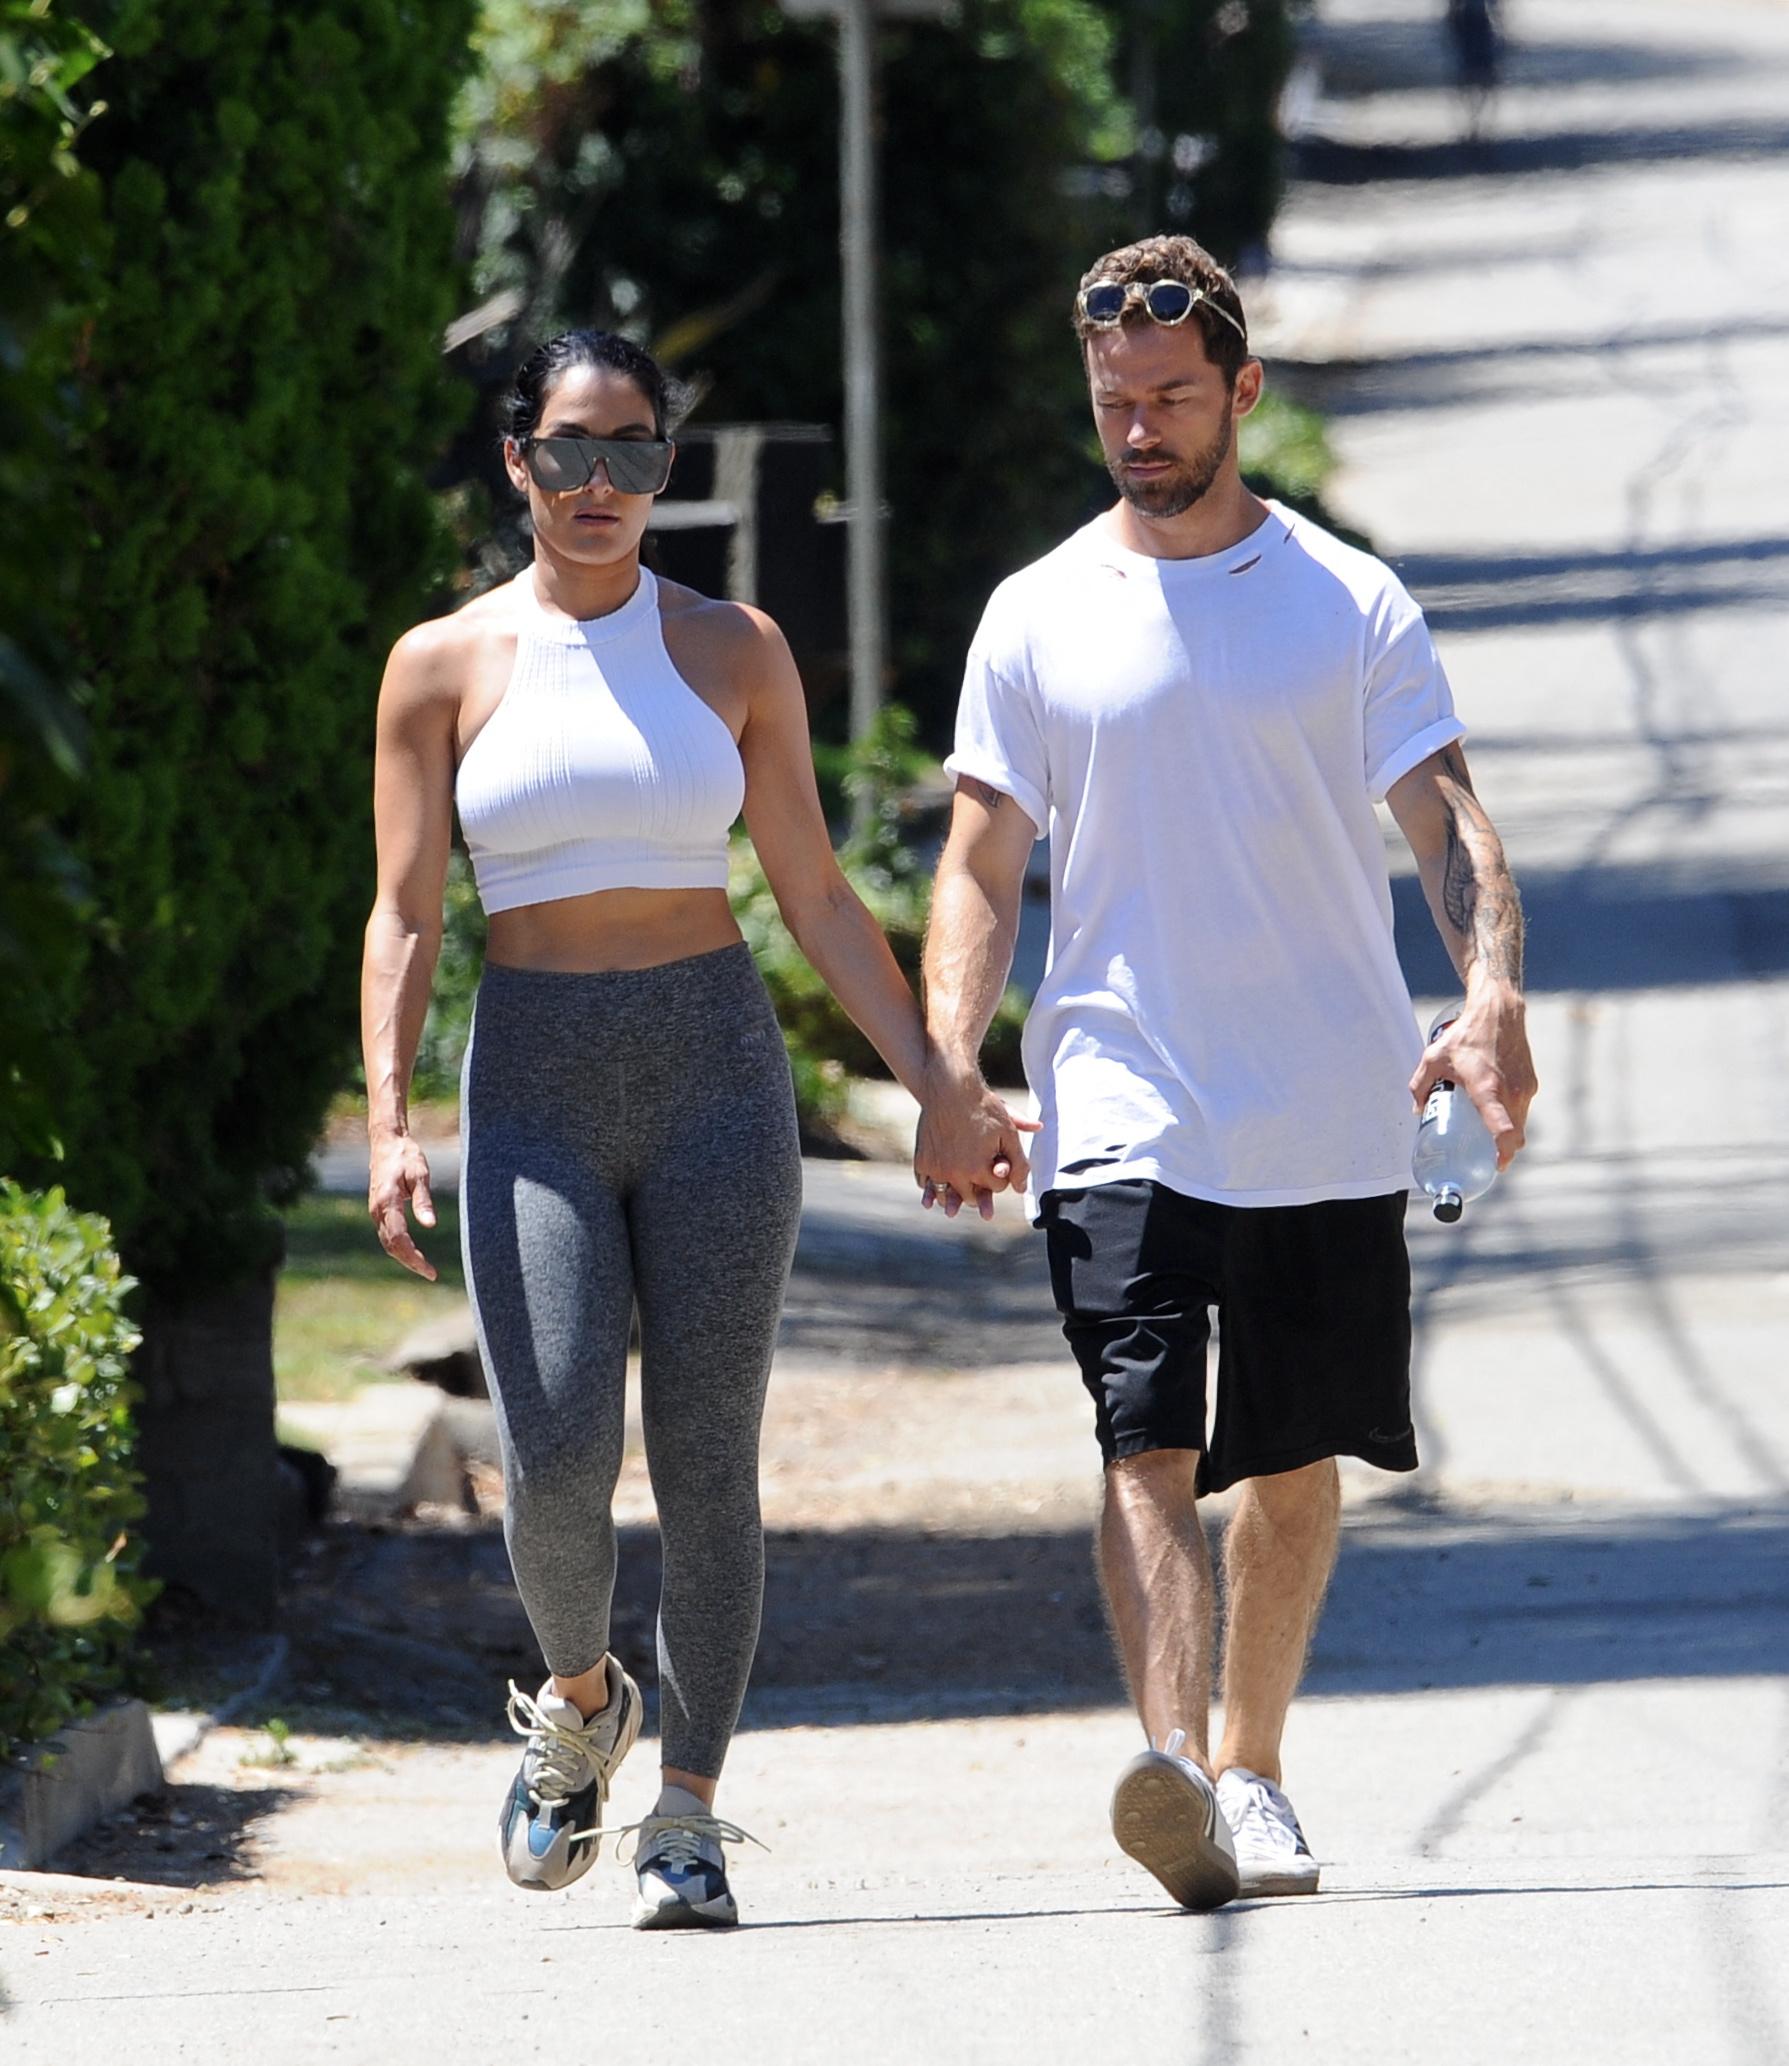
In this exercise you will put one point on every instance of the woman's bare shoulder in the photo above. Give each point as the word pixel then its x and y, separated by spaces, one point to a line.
pixel 433 658
pixel 736 633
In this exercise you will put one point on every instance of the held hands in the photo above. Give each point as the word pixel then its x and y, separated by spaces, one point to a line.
pixel 399 1178
pixel 1485 1051
pixel 969 1145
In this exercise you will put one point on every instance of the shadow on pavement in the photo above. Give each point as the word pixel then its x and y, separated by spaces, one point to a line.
pixel 1612 929
pixel 186 1835
pixel 1480 374
pixel 1377 60
pixel 1487 591
pixel 412 1632
pixel 1328 161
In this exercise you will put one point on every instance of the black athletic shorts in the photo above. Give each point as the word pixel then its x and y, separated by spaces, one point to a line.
pixel 1313 1306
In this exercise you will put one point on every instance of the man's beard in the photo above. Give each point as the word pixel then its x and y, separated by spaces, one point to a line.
pixel 1173 494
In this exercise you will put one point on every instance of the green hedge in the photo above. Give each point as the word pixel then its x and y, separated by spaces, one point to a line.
pixel 259 366
pixel 69 1590
pixel 50 244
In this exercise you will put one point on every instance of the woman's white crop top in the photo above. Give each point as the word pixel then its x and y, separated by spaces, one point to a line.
pixel 601 768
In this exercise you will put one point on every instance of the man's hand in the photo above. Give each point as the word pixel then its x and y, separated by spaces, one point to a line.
pixel 1485 1051
pixel 969 1145
pixel 399 1180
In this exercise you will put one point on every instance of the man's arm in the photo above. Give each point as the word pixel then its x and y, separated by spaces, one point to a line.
pixel 969 1145
pixel 1478 913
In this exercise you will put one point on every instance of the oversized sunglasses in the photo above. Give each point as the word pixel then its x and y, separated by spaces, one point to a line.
pixel 635 466
pixel 1164 301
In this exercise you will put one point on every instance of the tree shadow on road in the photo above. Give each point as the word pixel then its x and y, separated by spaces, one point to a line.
pixel 412 1632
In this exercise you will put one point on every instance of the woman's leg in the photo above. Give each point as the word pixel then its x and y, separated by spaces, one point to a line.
pixel 547 1265
pixel 714 1224
pixel 548 1271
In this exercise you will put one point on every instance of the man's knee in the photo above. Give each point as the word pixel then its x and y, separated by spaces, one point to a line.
pixel 1305 1498
pixel 1157 1477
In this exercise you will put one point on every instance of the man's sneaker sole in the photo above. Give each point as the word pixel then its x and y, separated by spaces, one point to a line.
pixel 1277 1881
pixel 1165 1820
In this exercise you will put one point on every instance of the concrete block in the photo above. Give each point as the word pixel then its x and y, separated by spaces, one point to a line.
pixel 444 1352
pixel 72 1779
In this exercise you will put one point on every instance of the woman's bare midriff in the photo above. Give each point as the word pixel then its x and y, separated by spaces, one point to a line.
pixel 612 929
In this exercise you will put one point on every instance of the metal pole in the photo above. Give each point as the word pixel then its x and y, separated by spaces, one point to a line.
pixel 863 383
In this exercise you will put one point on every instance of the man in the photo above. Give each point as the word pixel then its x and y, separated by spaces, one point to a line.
pixel 1200 697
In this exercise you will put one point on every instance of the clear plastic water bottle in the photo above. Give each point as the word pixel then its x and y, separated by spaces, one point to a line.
pixel 1455 1159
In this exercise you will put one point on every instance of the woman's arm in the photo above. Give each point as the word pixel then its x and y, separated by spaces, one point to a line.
pixel 824 913
pixel 413 827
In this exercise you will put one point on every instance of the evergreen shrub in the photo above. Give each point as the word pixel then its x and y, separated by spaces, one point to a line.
pixel 50 240
pixel 69 1590
pixel 260 369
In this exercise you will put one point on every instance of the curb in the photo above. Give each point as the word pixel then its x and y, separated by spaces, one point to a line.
pixel 73 1778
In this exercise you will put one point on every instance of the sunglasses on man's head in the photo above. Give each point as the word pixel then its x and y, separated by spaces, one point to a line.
pixel 1164 301
pixel 635 466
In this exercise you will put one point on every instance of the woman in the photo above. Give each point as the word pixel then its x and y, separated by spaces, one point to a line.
pixel 628 1127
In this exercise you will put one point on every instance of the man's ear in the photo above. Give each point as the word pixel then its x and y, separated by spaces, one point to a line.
pixel 1250 380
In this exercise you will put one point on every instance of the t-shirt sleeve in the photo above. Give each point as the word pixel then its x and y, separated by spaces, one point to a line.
pixel 1409 706
pixel 1000 738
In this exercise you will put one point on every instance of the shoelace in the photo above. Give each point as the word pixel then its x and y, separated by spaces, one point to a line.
pixel 561 1756
pixel 678 1839
pixel 1267 1815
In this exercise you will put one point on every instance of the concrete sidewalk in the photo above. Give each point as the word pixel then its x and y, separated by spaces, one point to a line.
pixel 1544 1751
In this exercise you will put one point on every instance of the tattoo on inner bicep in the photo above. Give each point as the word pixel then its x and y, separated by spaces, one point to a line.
pixel 984 792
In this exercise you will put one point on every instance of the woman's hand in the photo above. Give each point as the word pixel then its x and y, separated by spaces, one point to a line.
pixel 399 1180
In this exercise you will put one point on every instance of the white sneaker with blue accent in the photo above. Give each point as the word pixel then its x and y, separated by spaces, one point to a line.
pixel 551 1824
pixel 1272 1856
pixel 682 1872
pixel 1165 1815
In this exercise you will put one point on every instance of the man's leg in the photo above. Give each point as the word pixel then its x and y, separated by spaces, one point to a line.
pixel 1156 1570
pixel 1278 1555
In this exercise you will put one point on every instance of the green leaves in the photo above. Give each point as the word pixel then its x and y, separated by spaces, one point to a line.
pixel 69 1497
pixel 256 375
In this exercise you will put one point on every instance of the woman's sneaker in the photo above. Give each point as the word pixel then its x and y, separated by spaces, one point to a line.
pixel 1165 1815
pixel 1272 1856
pixel 552 1817
pixel 682 1872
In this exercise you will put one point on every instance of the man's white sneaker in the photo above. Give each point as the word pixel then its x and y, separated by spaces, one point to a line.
pixel 1272 1856
pixel 552 1815
pixel 1165 1815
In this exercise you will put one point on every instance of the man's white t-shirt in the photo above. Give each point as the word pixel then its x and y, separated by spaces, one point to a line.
pixel 1204 741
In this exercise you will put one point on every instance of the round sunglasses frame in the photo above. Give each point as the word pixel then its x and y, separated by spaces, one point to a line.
pixel 596 452
pixel 1144 291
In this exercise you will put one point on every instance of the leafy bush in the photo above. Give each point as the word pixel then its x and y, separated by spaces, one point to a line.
pixel 260 372
pixel 69 1589
pixel 49 247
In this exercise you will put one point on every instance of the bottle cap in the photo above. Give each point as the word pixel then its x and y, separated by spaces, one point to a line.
pixel 1448 1207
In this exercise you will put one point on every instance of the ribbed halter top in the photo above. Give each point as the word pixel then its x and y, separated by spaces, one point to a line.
pixel 601 768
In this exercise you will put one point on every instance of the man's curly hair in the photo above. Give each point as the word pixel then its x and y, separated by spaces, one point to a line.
pixel 1175 258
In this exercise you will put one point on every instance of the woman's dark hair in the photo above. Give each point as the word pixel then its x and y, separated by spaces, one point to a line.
pixel 550 362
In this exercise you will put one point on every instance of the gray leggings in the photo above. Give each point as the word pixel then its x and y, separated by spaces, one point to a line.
pixel 629 1139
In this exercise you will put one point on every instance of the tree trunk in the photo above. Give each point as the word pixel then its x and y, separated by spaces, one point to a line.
pixel 206 1447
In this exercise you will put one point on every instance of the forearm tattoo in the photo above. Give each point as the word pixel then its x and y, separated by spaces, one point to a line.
pixel 1478 893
